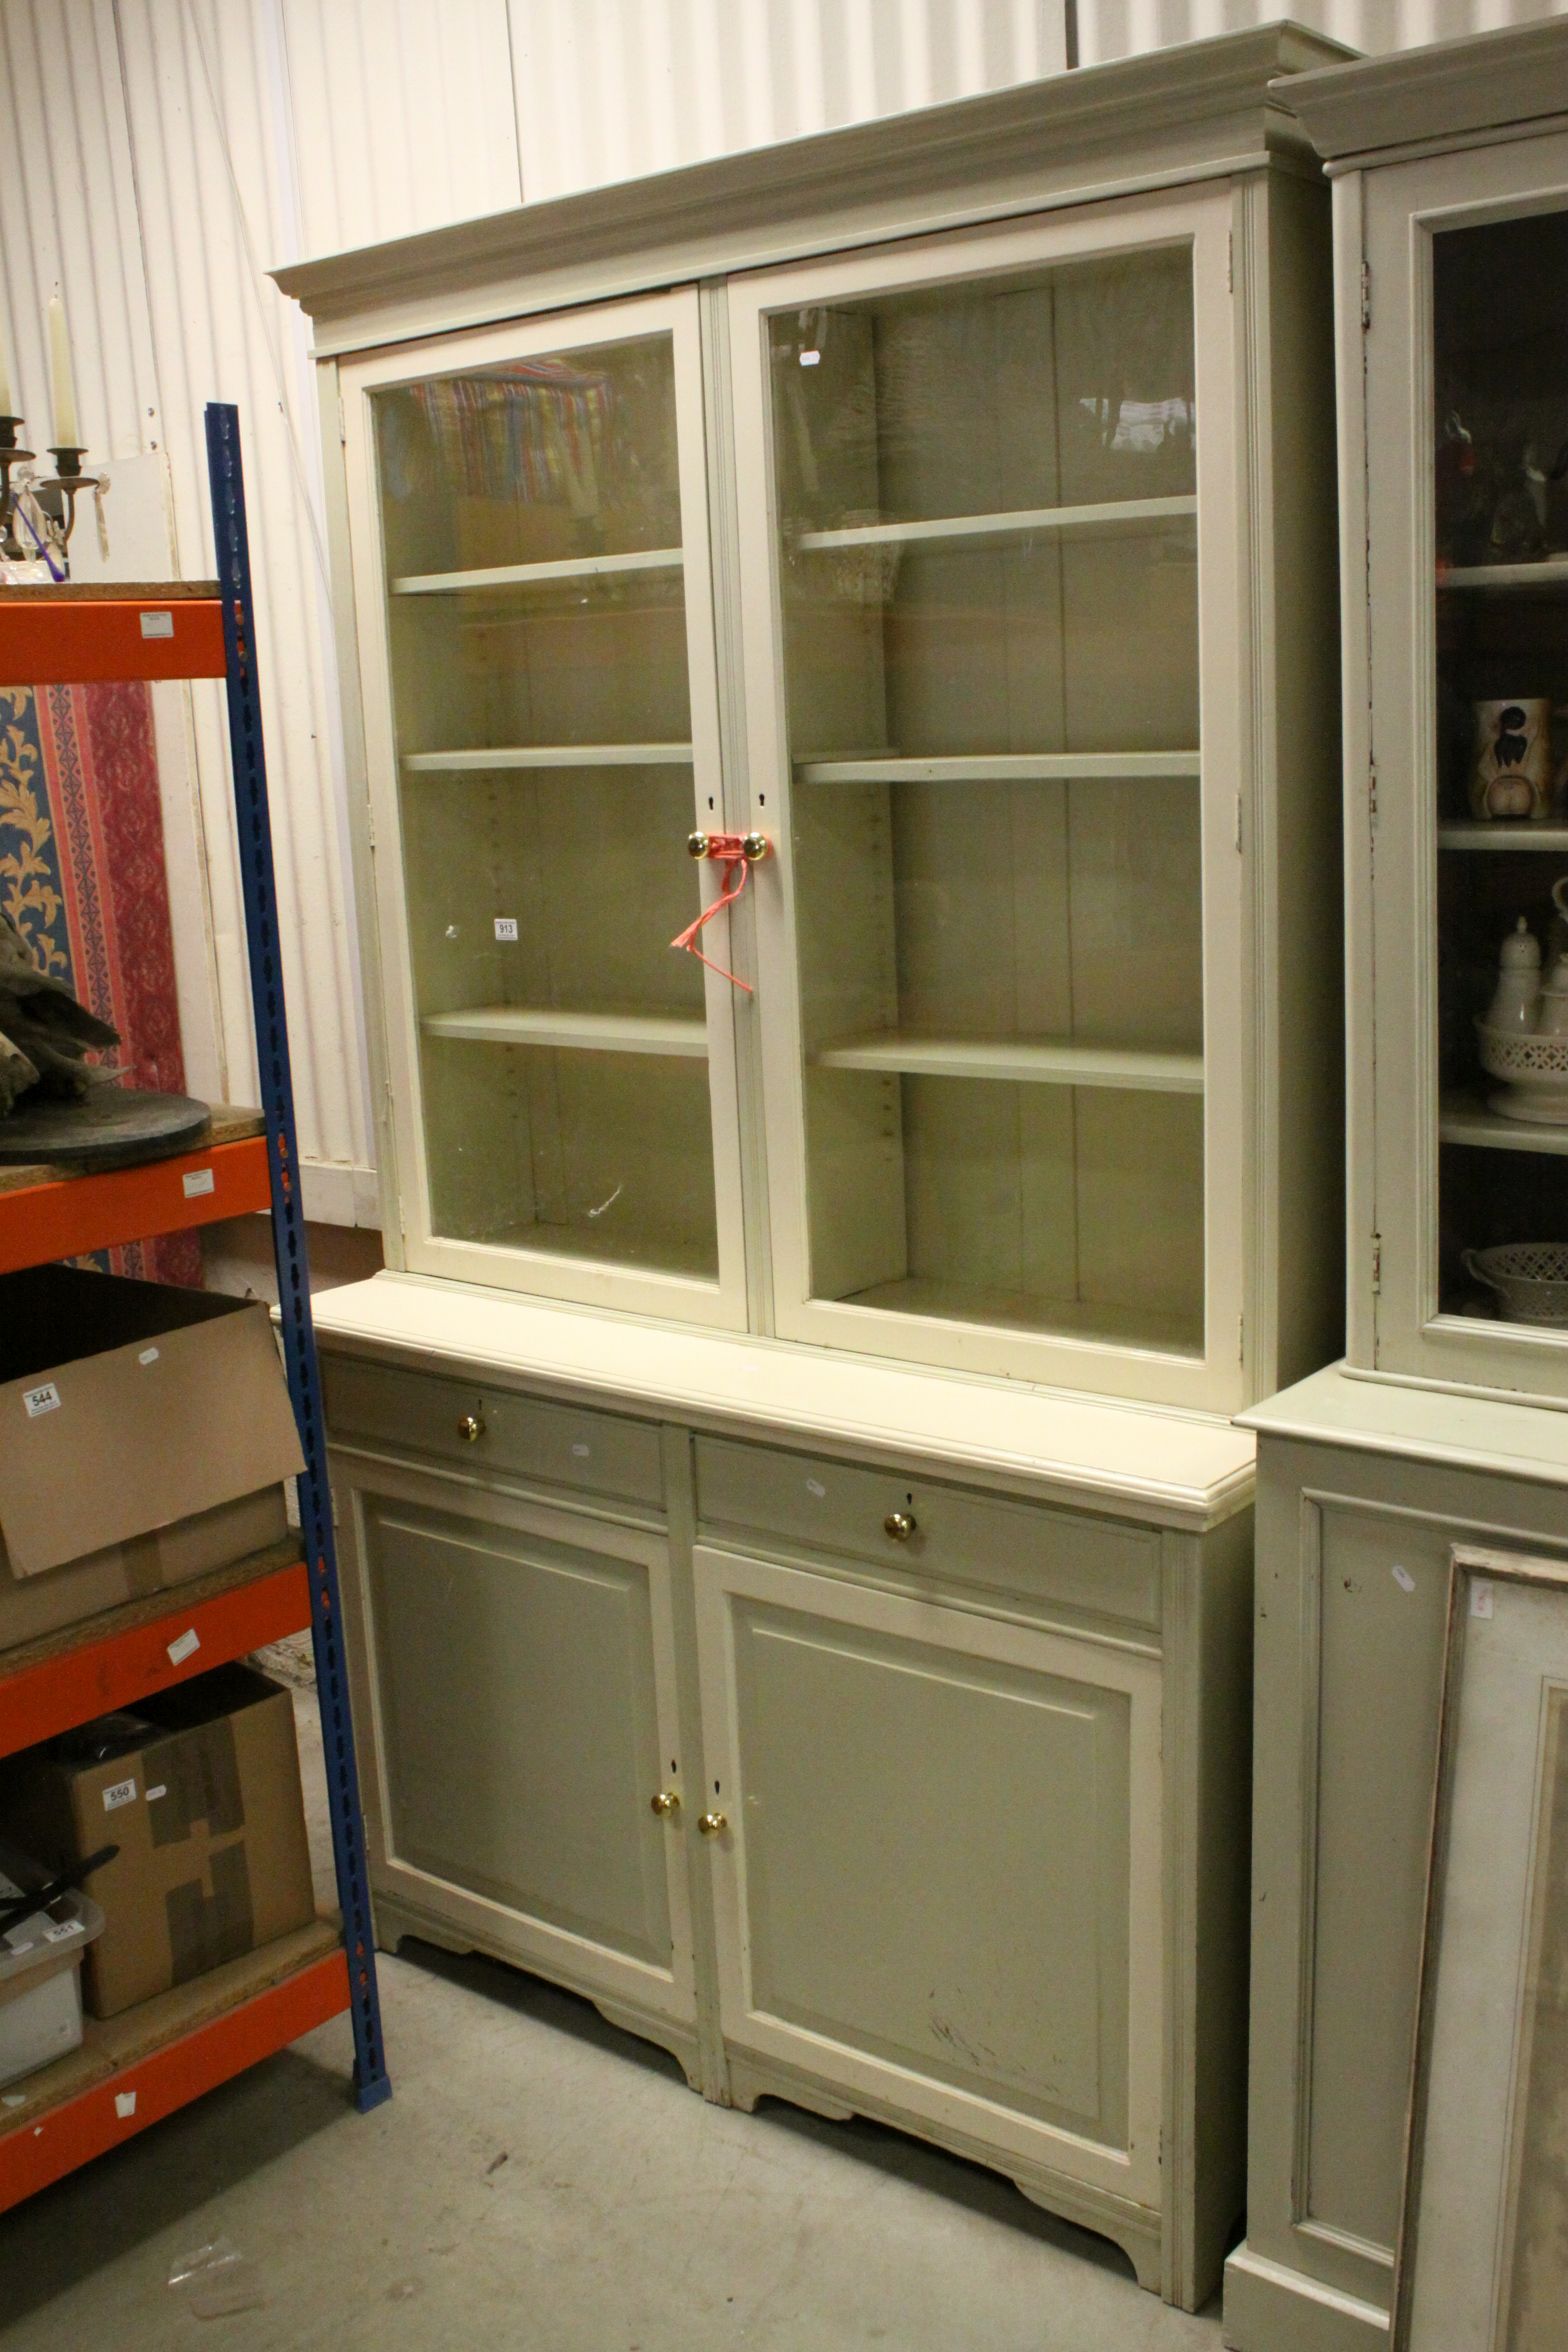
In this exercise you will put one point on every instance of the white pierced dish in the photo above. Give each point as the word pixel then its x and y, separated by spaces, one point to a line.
pixel 1534 1069
pixel 1529 1277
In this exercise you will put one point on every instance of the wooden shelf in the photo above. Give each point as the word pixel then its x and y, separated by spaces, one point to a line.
pixel 998 767
pixel 973 1303
pixel 1550 572
pixel 528 575
pixel 70 633
pixel 1046 1062
pixel 1012 523
pixel 137 2068
pixel 48 1213
pixel 549 755
pixel 110 1661
pixel 1504 834
pixel 644 1033
pixel 1465 1119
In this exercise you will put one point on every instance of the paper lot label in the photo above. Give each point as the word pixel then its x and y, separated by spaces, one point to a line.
pixel 41 1400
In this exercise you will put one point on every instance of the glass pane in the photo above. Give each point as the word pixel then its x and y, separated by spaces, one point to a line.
pixel 537 625
pixel 1501 513
pixel 986 501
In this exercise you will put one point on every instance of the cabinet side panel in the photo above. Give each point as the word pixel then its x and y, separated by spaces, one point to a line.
pixel 1383 1600
pixel 1304 967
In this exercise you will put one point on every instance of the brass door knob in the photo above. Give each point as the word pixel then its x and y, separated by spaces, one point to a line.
pixel 470 1428
pixel 712 1824
pixel 756 847
pixel 899 1525
pixel 696 844
pixel 665 1803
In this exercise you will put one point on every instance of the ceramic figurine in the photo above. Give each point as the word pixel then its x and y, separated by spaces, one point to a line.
pixel 1511 774
pixel 1516 1000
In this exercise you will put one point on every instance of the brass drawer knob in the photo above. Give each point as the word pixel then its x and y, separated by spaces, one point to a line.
pixel 712 1824
pixel 756 847
pixel 665 1803
pixel 899 1525
pixel 470 1428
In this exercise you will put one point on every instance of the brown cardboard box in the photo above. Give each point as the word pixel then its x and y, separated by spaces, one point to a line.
pixel 200 1791
pixel 144 1433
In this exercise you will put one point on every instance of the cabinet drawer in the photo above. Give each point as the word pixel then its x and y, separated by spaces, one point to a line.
pixel 962 1537
pixel 520 1437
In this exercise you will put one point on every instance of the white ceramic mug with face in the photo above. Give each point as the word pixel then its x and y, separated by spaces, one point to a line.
pixel 1511 774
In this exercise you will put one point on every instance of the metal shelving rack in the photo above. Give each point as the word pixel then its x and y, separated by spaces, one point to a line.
pixel 143 2066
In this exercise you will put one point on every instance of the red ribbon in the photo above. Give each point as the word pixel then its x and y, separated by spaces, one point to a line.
pixel 727 850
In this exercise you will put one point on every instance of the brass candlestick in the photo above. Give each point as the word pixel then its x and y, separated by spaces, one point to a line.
pixel 58 497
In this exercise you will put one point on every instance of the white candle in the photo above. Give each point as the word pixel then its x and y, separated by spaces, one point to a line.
pixel 65 432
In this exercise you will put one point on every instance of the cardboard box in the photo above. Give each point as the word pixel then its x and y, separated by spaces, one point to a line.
pixel 145 1433
pixel 200 1790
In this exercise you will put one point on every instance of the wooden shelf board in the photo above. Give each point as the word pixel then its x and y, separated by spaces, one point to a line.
pixel 63 633
pixel 1550 572
pixel 1011 523
pixel 647 1033
pixel 1466 1119
pixel 687 1257
pixel 549 755
pixel 999 767
pixel 957 1302
pixel 1050 1062
pixel 110 1661
pixel 581 567
pixel 48 1213
pixel 1504 834
pixel 134 2069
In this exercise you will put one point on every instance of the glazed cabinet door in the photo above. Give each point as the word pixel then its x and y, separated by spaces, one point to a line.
pixel 528 514
pixel 935 1840
pixel 1460 1172
pixel 519 1695
pixel 994 657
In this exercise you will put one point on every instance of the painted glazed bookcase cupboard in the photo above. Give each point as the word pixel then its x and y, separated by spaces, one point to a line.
pixel 802 1563
pixel 1446 1426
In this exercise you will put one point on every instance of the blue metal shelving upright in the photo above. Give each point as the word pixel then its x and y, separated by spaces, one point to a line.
pixel 226 477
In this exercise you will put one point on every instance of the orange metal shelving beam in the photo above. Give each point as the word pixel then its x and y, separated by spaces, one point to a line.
pixel 66 1217
pixel 97 1677
pixel 77 640
pixel 48 2146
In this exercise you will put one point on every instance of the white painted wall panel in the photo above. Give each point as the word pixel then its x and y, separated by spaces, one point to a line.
pixel 402 117
pixel 610 89
pixel 1118 28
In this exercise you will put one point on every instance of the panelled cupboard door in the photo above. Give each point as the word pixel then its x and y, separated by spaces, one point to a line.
pixel 937 1883
pixel 521 1666
pixel 1460 1190
pixel 995 654
pixel 528 514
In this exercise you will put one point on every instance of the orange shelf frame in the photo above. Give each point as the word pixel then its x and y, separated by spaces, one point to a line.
pixel 63 638
pixel 49 2145
pixel 56 1692
pixel 72 1214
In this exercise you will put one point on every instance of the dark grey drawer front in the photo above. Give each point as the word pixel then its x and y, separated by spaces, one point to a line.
pixel 402 1413
pixel 838 1508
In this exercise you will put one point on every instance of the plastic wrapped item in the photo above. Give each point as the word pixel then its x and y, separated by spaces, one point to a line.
pixel 217 2281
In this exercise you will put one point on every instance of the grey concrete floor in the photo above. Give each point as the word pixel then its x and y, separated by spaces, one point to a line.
pixel 541 2182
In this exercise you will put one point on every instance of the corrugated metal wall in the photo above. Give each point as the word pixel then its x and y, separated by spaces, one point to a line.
pixel 1116 28
pixel 171 149
pixel 607 89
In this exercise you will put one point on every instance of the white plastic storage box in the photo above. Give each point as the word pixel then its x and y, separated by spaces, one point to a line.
pixel 41 1981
